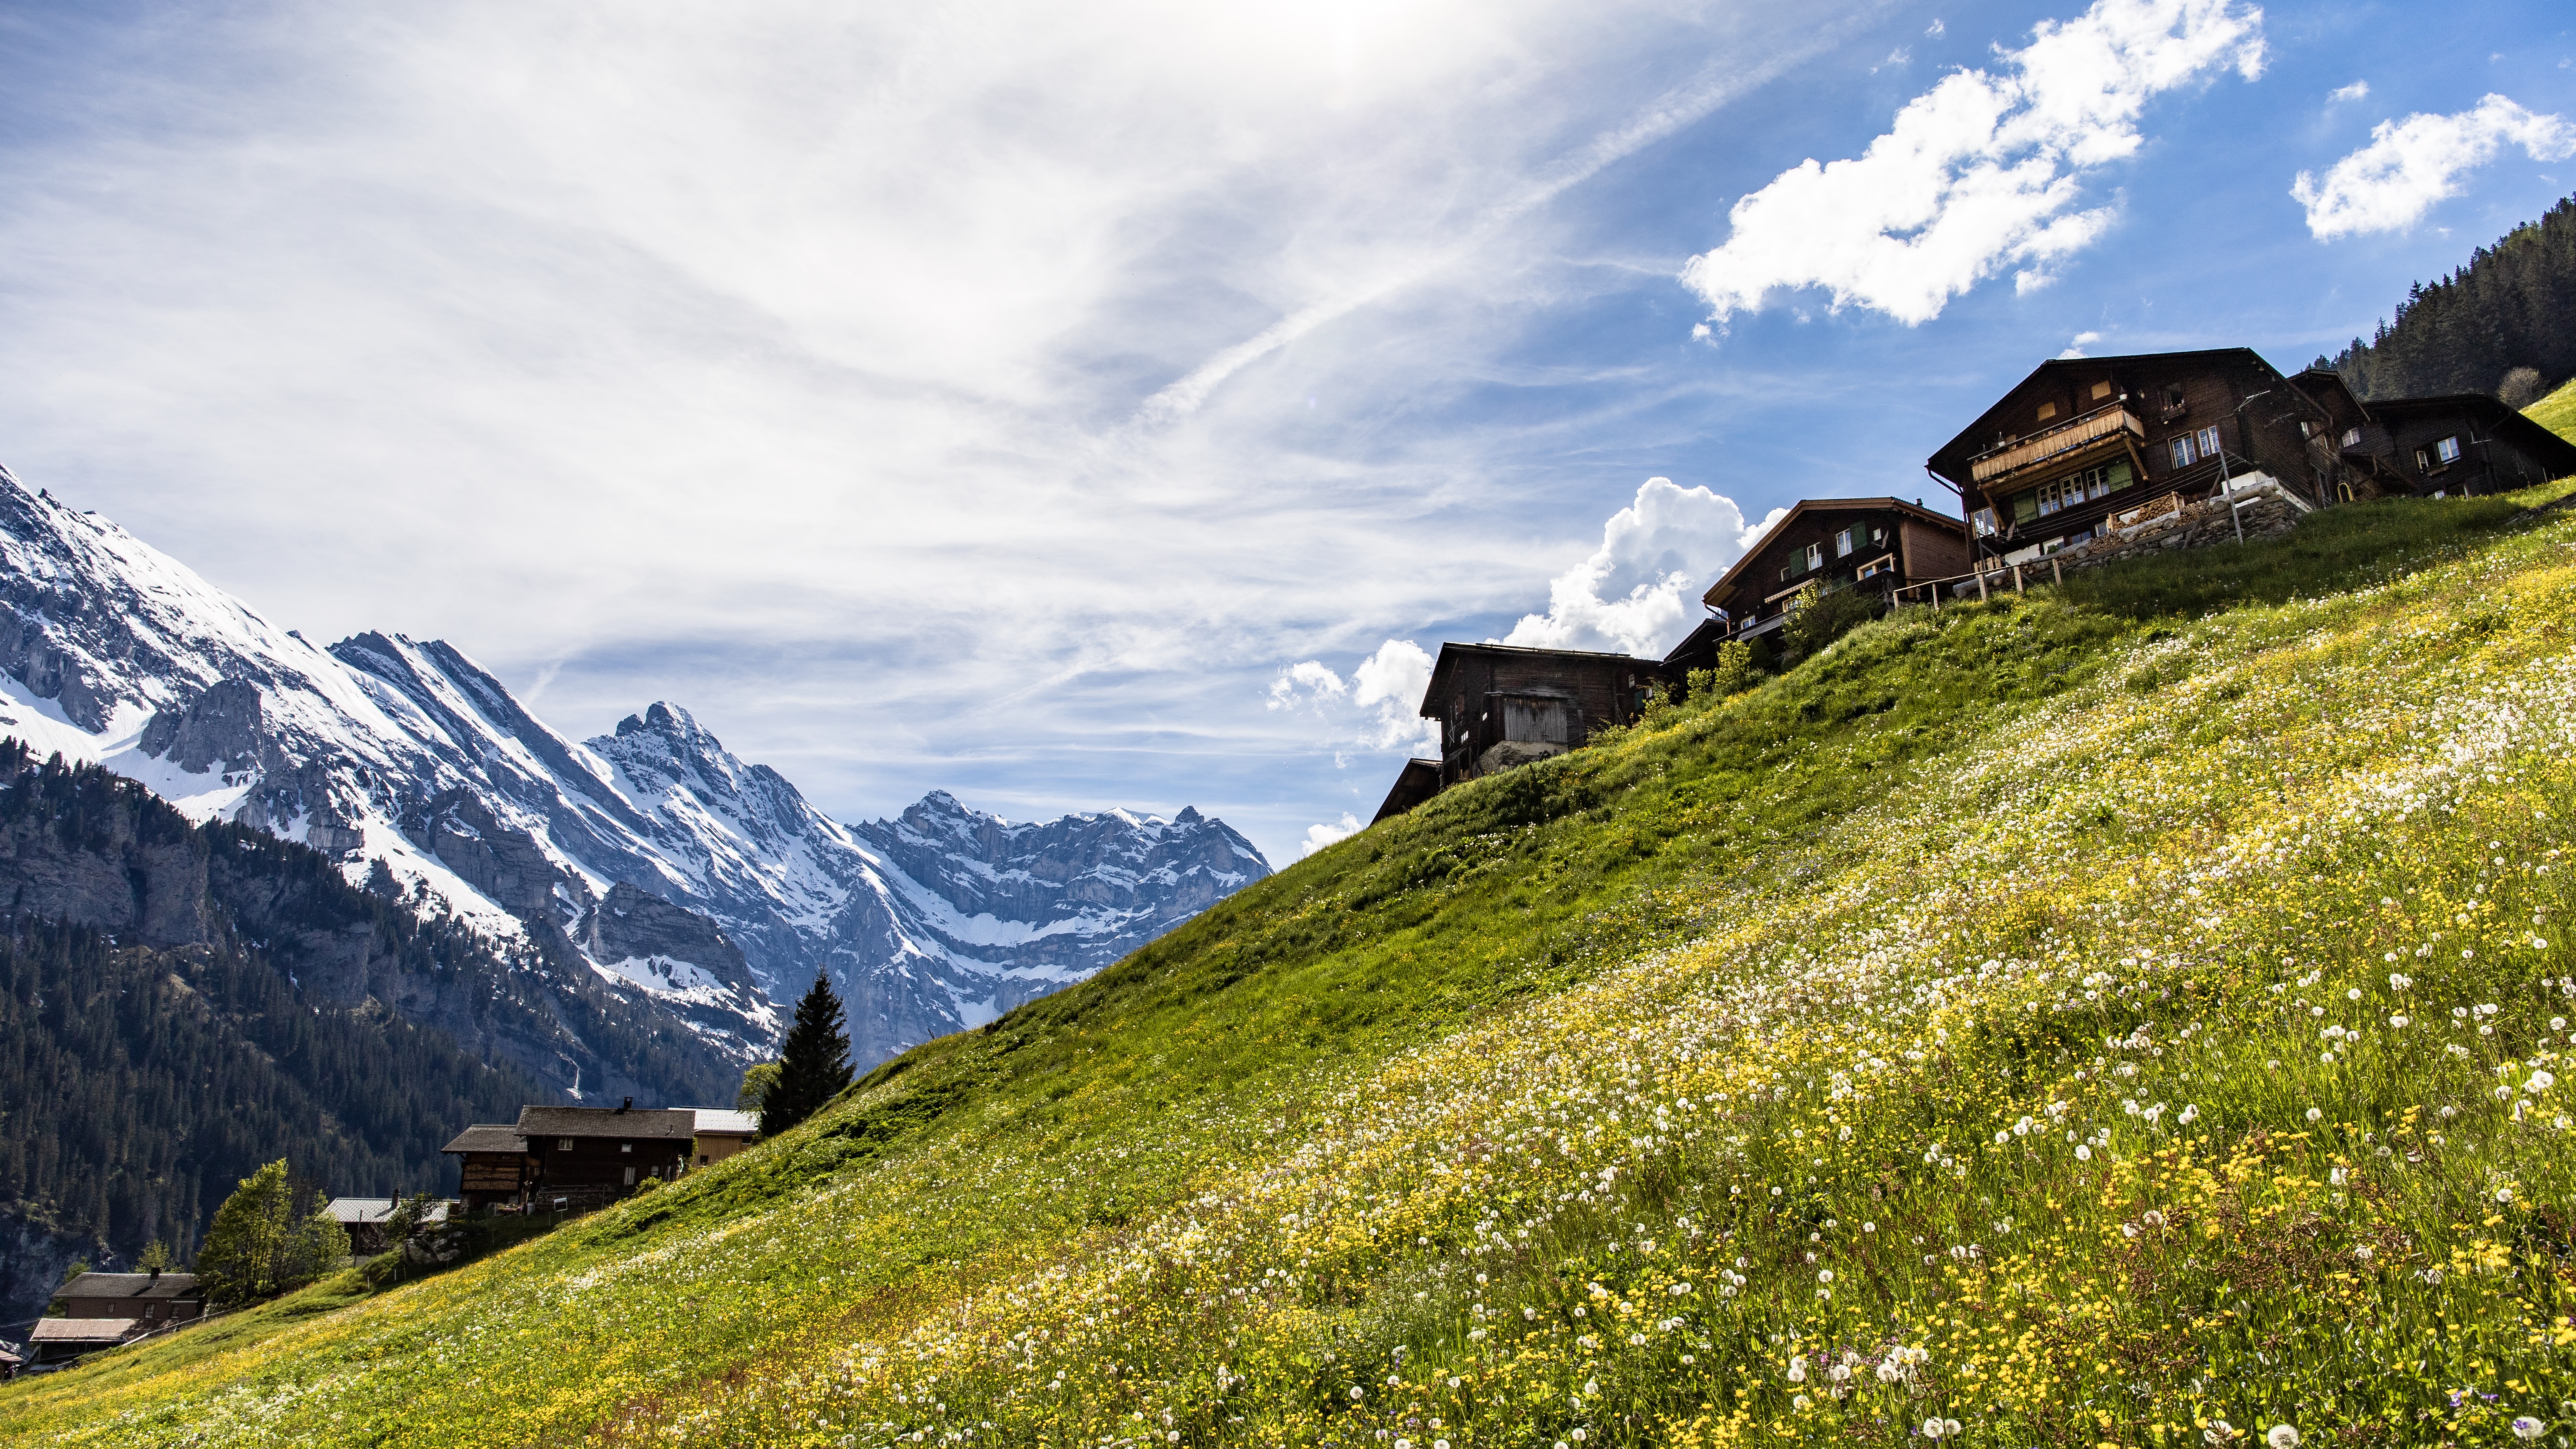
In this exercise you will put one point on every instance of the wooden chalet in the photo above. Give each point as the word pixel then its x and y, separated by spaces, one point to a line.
pixel 2085 445
pixel 365 1218
pixel 1500 705
pixel 495 1167
pixel 101 1310
pixel 591 1156
pixel 2468 443
pixel 722 1133
pixel 1823 545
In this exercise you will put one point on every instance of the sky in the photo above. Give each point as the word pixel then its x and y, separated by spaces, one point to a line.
pixel 1117 405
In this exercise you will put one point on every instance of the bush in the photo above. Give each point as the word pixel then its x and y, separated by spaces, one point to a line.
pixel 1824 620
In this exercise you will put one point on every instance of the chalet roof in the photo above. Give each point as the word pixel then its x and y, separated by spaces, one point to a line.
pixel 82 1330
pixel 139 1287
pixel 623 1122
pixel 1725 584
pixel 488 1137
pixel 356 1211
pixel 1951 460
pixel 1570 658
pixel 2526 436
pixel 718 1122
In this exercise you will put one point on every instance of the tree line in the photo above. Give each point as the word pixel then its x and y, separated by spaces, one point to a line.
pixel 2504 324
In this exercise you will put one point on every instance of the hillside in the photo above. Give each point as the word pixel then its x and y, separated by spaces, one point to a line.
pixel 2124 1014
pixel 2556 412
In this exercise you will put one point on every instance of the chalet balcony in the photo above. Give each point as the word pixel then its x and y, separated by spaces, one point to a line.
pixel 2053 445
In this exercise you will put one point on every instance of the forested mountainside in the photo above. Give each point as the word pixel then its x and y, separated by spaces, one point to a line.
pixel 2513 306
pixel 188 1001
pixel 2132 1012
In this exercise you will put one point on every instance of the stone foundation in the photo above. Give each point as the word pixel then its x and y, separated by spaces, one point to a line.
pixel 2263 507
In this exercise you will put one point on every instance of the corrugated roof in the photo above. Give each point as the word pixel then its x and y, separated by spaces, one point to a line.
pixel 355 1210
pixel 82 1330
pixel 634 1122
pixel 723 1123
pixel 130 1285
pixel 488 1137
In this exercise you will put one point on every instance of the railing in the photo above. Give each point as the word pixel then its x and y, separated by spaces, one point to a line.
pixel 2075 432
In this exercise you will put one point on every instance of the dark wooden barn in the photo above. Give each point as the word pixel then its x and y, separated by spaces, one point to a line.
pixel 2464 444
pixel 495 1167
pixel 1417 782
pixel 588 1156
pixel 1499 705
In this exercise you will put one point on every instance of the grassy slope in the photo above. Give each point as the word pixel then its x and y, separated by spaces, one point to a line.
pixel 1551 1106
pixel 2556 412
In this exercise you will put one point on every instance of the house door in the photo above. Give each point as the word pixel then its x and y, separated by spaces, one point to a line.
pixel 1539 721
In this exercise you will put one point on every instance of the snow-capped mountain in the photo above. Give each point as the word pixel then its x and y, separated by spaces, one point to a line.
pixel 679 873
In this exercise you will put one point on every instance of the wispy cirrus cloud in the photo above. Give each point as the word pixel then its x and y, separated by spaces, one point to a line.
pixel 2411 165
pixel 1981 174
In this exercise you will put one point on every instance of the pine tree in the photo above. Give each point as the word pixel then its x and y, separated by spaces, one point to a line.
pixel 816 1066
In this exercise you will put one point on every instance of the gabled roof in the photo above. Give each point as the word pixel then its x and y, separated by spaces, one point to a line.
pixel 1726 582
pixel 1976 436
pixel 620 1122
pixel 361 1210
pixel 82 1330
pixel 720 1122
pixel 1586 659
pixel 488 1137
pixel 2525 435
pixel 139 1287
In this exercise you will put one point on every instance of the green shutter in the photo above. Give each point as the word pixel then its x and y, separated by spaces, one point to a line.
pixel 2120 475
pixel 2025 507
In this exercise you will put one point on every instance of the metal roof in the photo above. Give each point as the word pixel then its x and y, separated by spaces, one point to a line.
pixel 82 1330
pixel 488 1137
pixel 130 1285
pixel 355 1210
pixel 625 1122
pixel 719 1122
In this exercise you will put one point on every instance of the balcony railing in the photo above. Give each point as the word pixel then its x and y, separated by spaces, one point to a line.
pixel 2066 437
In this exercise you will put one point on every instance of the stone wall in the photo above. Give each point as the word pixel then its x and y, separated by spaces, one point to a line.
pixel 2263 507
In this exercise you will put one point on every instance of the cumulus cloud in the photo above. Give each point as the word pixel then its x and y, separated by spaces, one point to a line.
pixel 2389 184
pixel 1375 708
pixel 2356 91
pixel 2082 341
pixel 1319 836
pixel 1636 594
pixel 1980 173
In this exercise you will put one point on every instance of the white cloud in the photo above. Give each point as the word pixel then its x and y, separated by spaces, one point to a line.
pixel 1935 28
pixel 1376 708
pixel 1982 172
pixel 1639 592
pixel 2409 165
pixel 2353 92
pixel 2082 341
pixel 1319 836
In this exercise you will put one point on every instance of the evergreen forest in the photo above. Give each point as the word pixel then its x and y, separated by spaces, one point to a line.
pixel 2509 309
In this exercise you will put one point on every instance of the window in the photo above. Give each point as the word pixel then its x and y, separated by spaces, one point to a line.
pixel 2352 437
pixel 2066 492
pixel 1846 541
pixel 2176 400
pixel 625 1146
pixel 2423 461
pixel 1805 561
pixel 2101 390
pixel 630 1177
pixel 1874 569
pixel 2447 451
pixel 2047 411
pixel 2185 451
pixel 563 1144
pixel 1984 518
pixel 2208 440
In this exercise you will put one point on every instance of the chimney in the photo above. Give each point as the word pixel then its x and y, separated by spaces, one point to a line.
pixel 627 1105
pixel 156 1275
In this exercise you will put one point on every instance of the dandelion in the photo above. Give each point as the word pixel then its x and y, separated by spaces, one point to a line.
pixel 2504 1196
pixel 2398 1021
pixel 2398 980
pixel 1801 1402
pixel 2314 1115
pixel 2083 1153
pixel 1934 1429
pixel 2541 1081
pixel 2282 1436
pixel 1797 1370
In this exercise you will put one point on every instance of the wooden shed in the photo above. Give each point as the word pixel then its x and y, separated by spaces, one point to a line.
pixel 1499 705
pixel 495 1167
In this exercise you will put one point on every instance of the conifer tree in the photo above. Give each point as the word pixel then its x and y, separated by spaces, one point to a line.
pixel 816 1065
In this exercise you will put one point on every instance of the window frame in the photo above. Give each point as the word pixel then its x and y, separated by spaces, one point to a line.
pixel 2447 451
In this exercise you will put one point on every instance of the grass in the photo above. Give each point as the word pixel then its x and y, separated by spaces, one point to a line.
pixel 2556 412
pixel 2051 1013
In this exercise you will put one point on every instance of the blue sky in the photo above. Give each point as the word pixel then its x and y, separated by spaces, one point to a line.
pixel 1086 406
